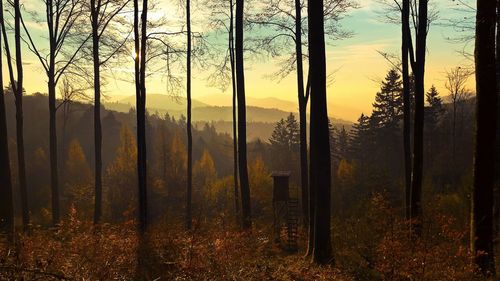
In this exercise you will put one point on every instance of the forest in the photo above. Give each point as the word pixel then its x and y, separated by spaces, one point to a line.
pixel 118 161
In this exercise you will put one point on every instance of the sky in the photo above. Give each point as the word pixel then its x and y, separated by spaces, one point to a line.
pixel 355 63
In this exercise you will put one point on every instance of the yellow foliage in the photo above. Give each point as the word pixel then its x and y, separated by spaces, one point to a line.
pixel 122 177
pixel 204 170
pixel 345 171
pixel 77 168
pixel 260 181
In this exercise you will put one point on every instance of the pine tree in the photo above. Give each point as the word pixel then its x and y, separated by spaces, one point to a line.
pixel 385 122
pixel 279 137
pixel 388 106
pixel 360 138
pixel 433 113
pixel 293 130
pixel 435 108
pixel 285 142
pixel 343 143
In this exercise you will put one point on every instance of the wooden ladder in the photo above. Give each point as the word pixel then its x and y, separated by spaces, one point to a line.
pixel 292 222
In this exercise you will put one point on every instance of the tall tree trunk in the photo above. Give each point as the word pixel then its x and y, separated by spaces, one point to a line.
pixel 188 127
pixel 320 173
pixel 497 152
pixel 140 77
pixel 405 19
pixel 418 145
pixel 235 133
pixel 54 177
pixel 19 116
pixel 6 200
pixel 17 89
pixel 51 84
pixel 242 127
pixel 302 99
pixel 311 192
pixel 484 160
pixel 97 113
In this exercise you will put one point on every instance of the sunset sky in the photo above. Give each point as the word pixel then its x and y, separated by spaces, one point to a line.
pixel 355 61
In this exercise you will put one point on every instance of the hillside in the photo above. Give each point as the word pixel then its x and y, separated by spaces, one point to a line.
pixel 260 120
pixel 213 107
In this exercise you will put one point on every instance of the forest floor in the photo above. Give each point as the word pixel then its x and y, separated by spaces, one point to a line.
pixel 78 251
pixel 371 246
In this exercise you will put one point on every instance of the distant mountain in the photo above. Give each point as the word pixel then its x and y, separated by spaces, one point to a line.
pixel 154 102
pixel 214 108
pixel 215 113
pixel 269 102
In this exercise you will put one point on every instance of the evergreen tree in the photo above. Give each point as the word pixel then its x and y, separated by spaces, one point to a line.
pixel 435 108
pixel 388 106
pixel 279 137
pixel 293 130
pixel 385 123
pixel 285 142
pixel 334 153
pixel 360 138
pixel 343 143
pixel 433 113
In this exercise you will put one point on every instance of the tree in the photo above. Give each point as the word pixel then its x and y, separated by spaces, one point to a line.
pixel 188 127
pixel 343 143
pixel 122 174
pixel 178 162
pixel 6 200
pixel 78 180
pixel 320 171
pixel 285 35
pixel 482 231
pixel 225 10
pixel 242 134
pixel 62 17
pixel 388 110
pixel 435 109
pixel 456 81
pixel 140 38
pixel 18 90
pixel 69 93
pixel 388 106
pixel 285 142
pixel 234 113
pixel 433 114
pixel 102 12
pixel 418 67
pixel 361 141
pixel 405 49
pixel 497 153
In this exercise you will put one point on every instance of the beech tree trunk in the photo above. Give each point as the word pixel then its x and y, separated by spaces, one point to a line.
pixel 242 134
pixel 54 177
pixel 140 87
pixel 97 113
pixel 188 125
pixel 418 145
pixel 304 173
pixel 6 200
pixel 17 90
pixel 235 133
pixel 320 170
pixel 497 152
pixel 405 19
pixel 482 232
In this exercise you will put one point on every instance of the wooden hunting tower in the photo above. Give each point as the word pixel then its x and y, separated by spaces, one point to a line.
pixel 285 208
